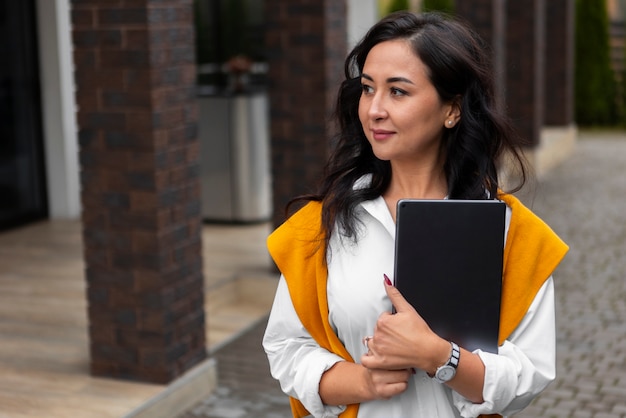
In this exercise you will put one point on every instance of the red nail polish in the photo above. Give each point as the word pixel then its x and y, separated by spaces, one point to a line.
pixel 387 281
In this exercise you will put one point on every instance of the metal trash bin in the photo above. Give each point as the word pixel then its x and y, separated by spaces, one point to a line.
pixel 235 167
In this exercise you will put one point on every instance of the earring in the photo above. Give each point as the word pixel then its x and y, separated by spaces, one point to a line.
pixel 450 122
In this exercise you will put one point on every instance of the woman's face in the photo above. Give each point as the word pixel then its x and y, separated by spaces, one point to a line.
pixel 402 115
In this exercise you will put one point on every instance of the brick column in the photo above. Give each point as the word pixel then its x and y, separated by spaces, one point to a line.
pixel 559 80
pixel 488 18
pixel 525 45
pixel 516 32
pixel 481 15
pixel 139 150
pixel 306 44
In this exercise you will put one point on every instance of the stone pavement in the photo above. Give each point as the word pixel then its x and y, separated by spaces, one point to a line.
pixel 246 388
pixel 584 200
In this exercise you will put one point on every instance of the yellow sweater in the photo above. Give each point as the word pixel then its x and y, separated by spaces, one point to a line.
pixel 531 254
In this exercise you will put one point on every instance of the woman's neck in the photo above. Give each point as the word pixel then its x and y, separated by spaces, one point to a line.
pixel 424 183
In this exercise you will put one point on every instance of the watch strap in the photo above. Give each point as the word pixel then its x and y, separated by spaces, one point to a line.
pixel 455 355
pixel 452 363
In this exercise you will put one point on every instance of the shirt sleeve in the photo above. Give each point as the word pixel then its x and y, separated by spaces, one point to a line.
pixel 525 363
pixel 295 359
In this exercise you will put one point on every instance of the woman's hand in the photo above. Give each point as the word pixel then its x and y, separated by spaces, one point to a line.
pixel 404 340
pixel 348 383
pixel 385 384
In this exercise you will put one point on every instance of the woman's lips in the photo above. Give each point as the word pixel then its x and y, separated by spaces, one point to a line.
pixel 381 134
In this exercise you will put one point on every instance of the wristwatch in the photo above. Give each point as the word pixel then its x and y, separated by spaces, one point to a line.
pixel 448 370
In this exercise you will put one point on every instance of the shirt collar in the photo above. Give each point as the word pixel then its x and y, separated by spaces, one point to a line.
pixel 377 207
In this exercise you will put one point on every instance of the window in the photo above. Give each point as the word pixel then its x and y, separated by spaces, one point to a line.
pixel 230 45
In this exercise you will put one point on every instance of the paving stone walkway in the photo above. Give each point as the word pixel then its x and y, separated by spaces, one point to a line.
pixel 584 200
pixel 246 388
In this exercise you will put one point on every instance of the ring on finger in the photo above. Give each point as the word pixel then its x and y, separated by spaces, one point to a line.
pixel 366 340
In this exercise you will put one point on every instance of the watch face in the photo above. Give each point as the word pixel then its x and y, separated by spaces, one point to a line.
pixel 446 373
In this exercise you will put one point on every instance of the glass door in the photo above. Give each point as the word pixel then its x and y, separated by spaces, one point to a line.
pixel 22 182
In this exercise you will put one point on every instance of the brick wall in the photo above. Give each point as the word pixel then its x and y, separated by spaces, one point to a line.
pixel 487 17
pixel 525 46
pixel 559 64
pixel 139 154
pixel 516 30
pixel 480 14
pixel 306 43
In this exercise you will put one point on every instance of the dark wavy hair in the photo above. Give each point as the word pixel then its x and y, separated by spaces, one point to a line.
pixel 460 70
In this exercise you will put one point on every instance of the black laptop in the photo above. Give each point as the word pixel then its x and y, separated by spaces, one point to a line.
pixel 448 265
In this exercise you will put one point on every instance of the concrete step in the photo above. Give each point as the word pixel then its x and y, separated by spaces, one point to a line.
pixel 236 305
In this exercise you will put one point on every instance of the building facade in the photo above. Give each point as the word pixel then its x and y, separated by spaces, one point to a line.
pixel 101 121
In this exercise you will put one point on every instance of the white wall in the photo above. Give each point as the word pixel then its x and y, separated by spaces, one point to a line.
pixel 362 14
pixel 58 108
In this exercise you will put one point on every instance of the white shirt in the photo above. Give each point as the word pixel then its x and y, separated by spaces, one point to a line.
pixel 523 367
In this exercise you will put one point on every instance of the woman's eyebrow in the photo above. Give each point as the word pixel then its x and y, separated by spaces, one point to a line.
pixel 399 80
pixel 390 79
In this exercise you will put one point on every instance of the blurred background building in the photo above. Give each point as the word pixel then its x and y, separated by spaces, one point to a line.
pixel 144 119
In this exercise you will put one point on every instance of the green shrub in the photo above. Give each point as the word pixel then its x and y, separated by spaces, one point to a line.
pixel 397 5
pixel 595 83
pixel 446 6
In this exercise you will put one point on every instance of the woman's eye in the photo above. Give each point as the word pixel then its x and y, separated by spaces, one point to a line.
pixel 397 92
pixel 366 89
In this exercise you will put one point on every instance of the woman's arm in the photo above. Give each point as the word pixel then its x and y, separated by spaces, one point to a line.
pixel 295 359
pixel 404 340
pixel 485 383
pixel 347 383
pixel 525 363
pixel 319 379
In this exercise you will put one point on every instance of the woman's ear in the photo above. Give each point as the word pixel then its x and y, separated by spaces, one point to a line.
pixel 454 112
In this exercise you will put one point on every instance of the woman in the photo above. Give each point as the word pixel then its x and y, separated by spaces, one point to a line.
pixel 417 119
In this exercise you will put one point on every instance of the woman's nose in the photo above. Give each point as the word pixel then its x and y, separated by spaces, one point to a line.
pixel 377 108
